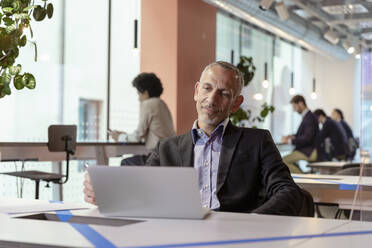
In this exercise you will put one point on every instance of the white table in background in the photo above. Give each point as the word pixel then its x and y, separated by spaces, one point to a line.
pixel 330 167
pixel 100 151
pixel 337 189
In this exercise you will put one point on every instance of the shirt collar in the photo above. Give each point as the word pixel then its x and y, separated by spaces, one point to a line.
pixel 304 112
pixel 195 129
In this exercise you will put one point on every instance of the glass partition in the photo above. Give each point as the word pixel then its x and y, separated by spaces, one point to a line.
pixel 362 204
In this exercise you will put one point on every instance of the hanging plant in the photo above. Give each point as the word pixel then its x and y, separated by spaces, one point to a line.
pixel 15 20
pixel 248 69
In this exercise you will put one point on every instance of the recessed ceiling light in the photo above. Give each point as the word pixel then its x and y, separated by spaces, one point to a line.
pixel 265 4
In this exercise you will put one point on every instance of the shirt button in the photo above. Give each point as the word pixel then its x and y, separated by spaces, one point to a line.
pixel 205 206
pixel 206 163
pixel 206 186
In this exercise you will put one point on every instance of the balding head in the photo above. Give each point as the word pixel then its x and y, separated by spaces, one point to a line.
pixel 238 74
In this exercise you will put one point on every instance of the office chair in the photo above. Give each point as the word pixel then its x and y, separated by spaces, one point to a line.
pixel 307 209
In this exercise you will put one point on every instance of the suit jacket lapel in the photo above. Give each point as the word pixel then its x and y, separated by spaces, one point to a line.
pixel 186 150
pixel 229 143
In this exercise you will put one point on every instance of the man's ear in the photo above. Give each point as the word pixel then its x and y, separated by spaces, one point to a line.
pixel 238 101
pixel 196 91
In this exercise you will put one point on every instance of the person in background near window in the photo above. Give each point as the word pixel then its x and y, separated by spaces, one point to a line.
pixel 155 119
pixel 337 115
pixel 336 147
pixel 305 138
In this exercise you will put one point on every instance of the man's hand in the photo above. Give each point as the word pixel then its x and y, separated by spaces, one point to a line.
pixel 88 190
pixel 115 134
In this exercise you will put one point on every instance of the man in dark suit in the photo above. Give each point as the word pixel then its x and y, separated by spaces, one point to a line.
pixel 240 169
pixel 305 138
pixel 332 130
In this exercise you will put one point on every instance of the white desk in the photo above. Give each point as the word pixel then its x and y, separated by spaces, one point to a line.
pixel 101 151
pixel 359 235
pixel 330 167
pixel 217 230
pixel 337 189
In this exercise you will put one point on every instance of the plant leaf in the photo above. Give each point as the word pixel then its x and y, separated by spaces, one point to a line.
pixel 8 10
pixel 29 8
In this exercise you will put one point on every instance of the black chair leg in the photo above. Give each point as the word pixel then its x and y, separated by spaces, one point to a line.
pixel 37 186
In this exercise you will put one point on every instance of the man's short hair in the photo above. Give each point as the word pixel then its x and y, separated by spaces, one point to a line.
pixel 298 98
pixel 238 74
pixel 148 82
pixel 340 113
pixel 319 112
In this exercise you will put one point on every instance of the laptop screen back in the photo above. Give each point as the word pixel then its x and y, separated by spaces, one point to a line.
pixel 143 191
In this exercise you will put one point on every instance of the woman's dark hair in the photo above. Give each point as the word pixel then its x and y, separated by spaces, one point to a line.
pixel 339 112
pixel 150 82
pixel 319 112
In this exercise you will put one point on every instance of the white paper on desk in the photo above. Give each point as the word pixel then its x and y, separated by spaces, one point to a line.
pixel 21 206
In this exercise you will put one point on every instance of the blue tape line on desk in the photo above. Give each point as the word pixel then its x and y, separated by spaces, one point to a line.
pixel 342 186
pixel 93 236
pixel 348 187
pixel 89 233
pixel 255 240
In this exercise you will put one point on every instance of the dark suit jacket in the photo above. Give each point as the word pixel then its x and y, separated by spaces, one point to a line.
pixel 249 165
pixel 306 136
pixel 333 130
pixel 352 143
pixel 349 132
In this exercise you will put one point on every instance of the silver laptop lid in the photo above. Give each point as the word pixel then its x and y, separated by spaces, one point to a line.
pixel 144 191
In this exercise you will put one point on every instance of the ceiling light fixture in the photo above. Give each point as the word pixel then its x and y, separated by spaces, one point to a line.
pixel 282 11
pixel 348 46
pixel 313 94
pixel 331 36
pixel 135 34
pixel 357 53
pixel 265 4
pixel 232 56
pixel 292 90
pixel 265 83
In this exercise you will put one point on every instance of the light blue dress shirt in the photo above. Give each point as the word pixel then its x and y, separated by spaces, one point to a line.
pixel 206 158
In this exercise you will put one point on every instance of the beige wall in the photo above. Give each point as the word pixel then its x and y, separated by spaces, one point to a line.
pixel 335 86
pixel 178 38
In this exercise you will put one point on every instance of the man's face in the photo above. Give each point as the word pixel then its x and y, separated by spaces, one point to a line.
pixel 215 96
pixel 321 119
pixel 297 107
pixel 335 115
pixel 142 96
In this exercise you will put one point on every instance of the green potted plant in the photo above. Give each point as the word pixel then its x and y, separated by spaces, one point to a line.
pixel 238 118
pixel 15 21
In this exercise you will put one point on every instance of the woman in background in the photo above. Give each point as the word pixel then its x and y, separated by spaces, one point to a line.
pixel 155 119
pixel 338 116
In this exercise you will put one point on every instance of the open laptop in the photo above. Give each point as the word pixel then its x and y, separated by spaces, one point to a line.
pixel 144 191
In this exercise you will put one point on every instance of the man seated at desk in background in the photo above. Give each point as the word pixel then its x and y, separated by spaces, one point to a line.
pixel 155 119
pixel 332 140
pixel 235 165
pixel 305 138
